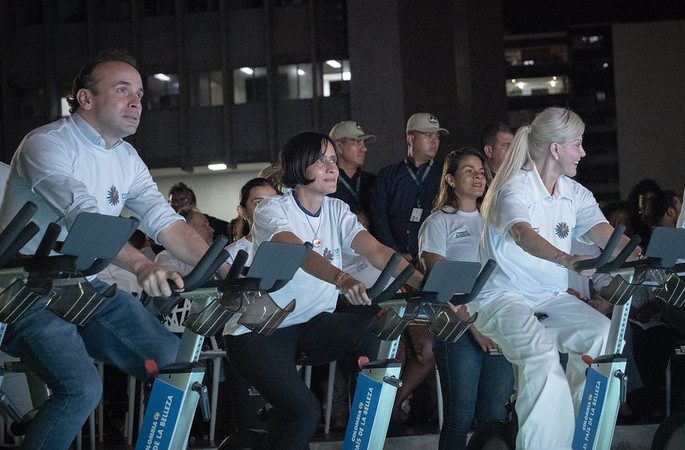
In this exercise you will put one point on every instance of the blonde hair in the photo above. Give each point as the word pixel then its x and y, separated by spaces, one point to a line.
pixel 531 144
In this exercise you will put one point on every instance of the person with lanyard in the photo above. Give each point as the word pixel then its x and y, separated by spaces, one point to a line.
pixel 354 184
pixel 312 334
pixel 404 192
pixel 532 212
pixel 403 197
pixel 476 379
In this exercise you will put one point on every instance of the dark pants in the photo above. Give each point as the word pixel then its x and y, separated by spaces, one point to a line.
pixel 268 363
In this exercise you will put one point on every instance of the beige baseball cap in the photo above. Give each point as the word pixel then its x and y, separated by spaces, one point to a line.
pixel 349 129
pixel 425 123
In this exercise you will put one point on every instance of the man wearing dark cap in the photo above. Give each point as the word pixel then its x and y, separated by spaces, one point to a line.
pixel 354 184
pixel 404 192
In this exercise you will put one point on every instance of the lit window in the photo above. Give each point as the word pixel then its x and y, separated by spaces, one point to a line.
pixel 531 56
pixel 522 87
pixel 249 85
pixel 206 89
pixel 336 77
pixel 162 91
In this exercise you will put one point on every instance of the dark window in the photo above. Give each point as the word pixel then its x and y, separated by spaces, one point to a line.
pixel 249 85
pixel 206 89
pixel 162 91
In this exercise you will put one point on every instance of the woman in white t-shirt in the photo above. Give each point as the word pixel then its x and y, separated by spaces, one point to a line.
pixel 475 377
pixel 312 334
pixel 252 192
pixel 532 212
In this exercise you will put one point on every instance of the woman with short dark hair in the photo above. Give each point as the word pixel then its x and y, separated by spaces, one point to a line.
pixel 312 334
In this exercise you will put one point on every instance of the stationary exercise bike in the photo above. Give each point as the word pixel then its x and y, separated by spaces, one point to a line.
pixel 178 388
pixel 378 381
pixel 61 277
pixel 605 387
pixel 256 439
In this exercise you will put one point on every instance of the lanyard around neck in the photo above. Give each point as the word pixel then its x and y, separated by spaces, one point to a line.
pixel 423 176
pixel 354 192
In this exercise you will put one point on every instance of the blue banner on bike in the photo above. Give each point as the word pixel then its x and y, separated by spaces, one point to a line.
pixel 590 411
pixel 363 413
pixel 160 416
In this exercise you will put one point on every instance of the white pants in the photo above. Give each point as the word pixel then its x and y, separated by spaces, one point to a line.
pixel 547 399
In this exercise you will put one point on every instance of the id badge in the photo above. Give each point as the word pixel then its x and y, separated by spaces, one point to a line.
pixel 416 214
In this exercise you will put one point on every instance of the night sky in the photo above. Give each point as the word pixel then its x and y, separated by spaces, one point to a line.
pixel 538 16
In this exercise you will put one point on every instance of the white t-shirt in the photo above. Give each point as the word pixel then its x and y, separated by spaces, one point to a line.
pixel 359 267
pixel 241 244
pixel 453 235
pixel 335 226
pixel 559 218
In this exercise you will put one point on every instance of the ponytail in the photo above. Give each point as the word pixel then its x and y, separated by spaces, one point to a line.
pixel 531 144
pixel 517 158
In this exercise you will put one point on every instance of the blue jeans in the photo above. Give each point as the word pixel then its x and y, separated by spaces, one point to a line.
pixel 121 333
pixel 472 382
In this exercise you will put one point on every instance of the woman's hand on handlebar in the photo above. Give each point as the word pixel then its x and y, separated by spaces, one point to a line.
pixel 154 279
pixel 353 290
pixel 568 261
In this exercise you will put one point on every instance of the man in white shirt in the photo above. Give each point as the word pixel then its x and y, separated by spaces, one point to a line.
pixel 77 164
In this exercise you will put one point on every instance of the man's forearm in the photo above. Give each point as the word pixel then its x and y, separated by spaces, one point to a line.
pixel 183 242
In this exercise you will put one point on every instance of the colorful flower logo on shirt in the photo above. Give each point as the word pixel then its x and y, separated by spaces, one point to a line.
pixel 328 254
pixel 561 230
pixel 113 196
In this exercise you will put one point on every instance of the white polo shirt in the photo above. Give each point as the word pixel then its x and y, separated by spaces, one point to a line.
pixel 454 235
pixel 335 226
pixel 559 218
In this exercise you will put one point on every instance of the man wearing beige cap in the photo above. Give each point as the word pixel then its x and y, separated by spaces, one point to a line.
pixel 404 192
pixel 354 184
pixel 403 197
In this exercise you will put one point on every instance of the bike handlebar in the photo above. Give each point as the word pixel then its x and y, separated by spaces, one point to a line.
pixel 379 292
pixel 205 268
pixel 621 257
pixel 238 265
pixel 482 278
pixel 13 229
pixel 605 256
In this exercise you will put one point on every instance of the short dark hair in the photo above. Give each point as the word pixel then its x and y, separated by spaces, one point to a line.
pixel 188 212
pixel 488 135
pixel 84 78
pixel 300 152
pixel 182 187
pixel 657 205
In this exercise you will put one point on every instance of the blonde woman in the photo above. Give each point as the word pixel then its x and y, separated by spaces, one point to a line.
pixel 532 212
